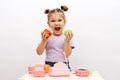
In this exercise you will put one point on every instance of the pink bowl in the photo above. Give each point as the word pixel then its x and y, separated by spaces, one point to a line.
pixel 30 69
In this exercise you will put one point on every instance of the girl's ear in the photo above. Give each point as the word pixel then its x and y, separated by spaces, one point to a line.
pixel 65 21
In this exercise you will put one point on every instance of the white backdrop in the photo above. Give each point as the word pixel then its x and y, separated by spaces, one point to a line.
pixel 96 28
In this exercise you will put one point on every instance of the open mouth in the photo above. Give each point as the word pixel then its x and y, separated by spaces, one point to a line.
pixel 57 28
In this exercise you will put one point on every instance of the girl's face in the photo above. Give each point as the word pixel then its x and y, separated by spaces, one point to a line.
pixel 56 22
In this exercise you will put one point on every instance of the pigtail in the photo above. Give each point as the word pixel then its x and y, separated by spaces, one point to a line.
pixel 56 10
pixel 46 11
pixel 64 8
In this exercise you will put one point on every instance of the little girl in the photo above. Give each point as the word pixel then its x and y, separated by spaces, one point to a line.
pixel 57 43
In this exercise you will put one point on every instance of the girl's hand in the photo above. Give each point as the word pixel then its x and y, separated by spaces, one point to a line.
pixel 69 36
pixel 44 36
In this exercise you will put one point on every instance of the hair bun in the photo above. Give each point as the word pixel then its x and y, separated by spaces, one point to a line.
pixel 47 11
pixel 64 8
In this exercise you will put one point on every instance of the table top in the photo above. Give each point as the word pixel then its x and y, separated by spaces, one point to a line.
pixel 94 76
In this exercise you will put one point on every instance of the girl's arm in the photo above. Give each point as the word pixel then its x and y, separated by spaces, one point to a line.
pixel 67 47
pixel 42 45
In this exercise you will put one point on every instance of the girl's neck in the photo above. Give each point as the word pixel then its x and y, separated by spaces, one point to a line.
pixel 57 34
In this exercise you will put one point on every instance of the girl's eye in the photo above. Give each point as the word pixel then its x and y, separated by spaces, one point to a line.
pixel 52 20
pixel 60 20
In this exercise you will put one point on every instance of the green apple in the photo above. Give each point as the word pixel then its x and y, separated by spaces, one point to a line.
pixel 67 31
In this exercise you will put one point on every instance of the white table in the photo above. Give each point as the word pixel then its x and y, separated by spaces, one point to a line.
pixel 94 76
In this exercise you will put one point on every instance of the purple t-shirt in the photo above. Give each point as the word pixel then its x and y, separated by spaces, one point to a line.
pixel 54 48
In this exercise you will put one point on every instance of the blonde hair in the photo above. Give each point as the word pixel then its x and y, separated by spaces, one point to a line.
pixel 59 10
